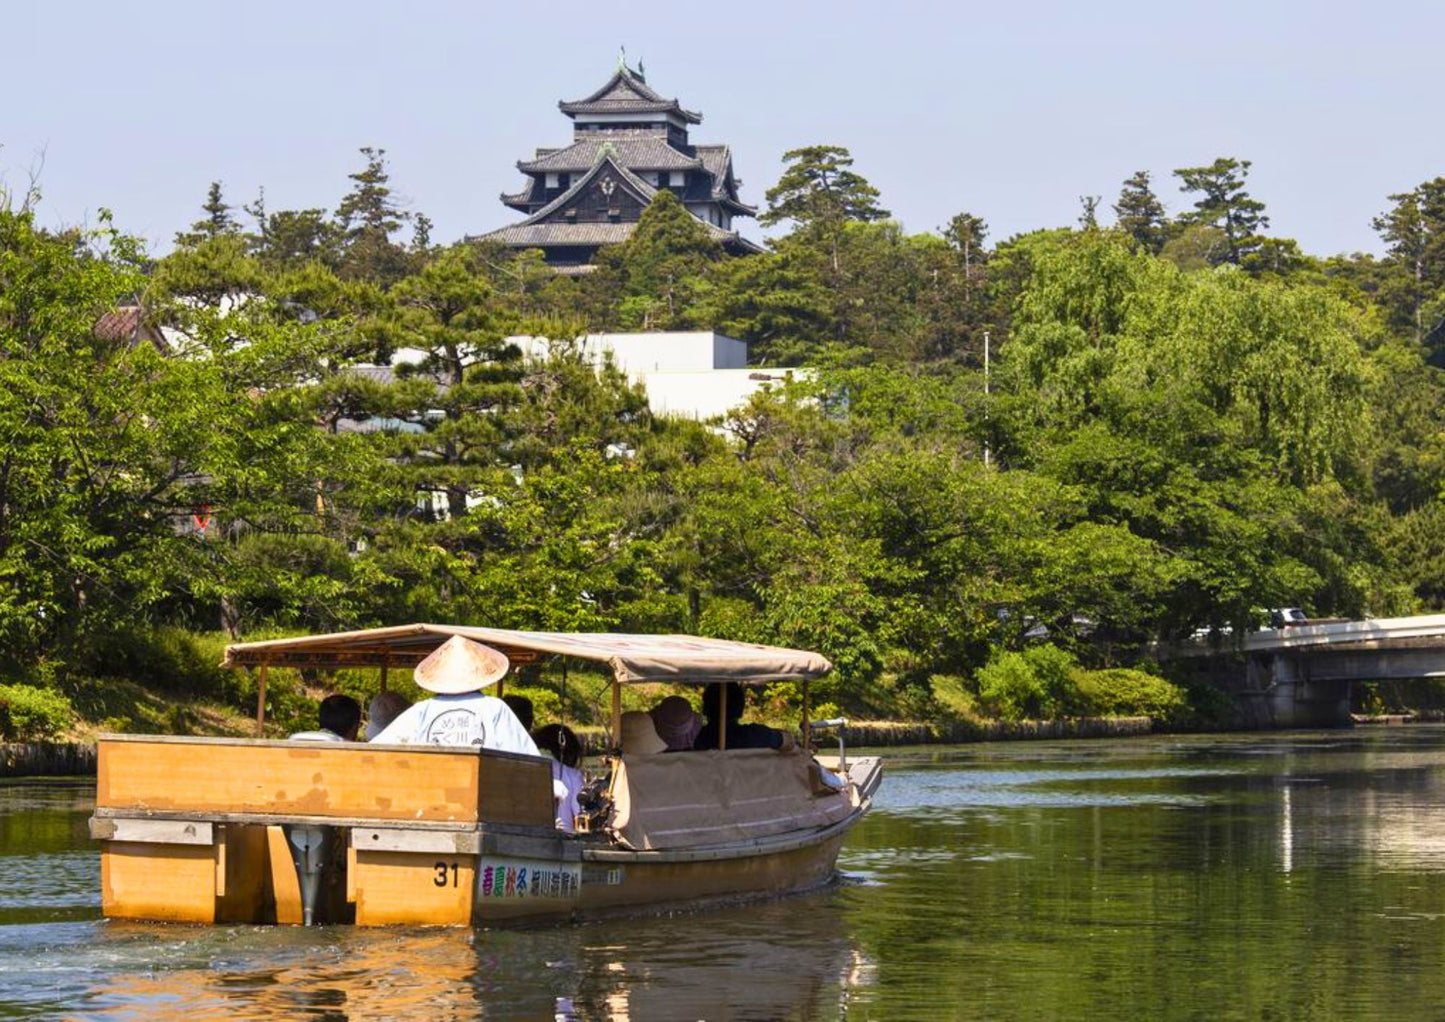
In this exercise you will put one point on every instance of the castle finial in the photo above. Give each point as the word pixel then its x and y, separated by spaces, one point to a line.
pixel 641 73
pixel 622 58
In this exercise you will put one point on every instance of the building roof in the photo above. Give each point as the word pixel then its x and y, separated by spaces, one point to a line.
pixel 637 153
pixel 592 235
pixel 717 160
pixel 537 232
pixel 128 323
pixel 627 93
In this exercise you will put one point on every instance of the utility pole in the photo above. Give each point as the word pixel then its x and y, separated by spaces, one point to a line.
pixel 985 397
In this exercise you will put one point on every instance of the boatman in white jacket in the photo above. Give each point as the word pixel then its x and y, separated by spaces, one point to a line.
pixel 459 714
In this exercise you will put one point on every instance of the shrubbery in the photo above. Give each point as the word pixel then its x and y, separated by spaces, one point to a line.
pixel 1032 685
pixel 1044 682
pixel 30 714
pixel 1124 692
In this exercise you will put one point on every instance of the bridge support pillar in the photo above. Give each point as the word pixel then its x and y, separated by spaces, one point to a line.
pixel 1294 699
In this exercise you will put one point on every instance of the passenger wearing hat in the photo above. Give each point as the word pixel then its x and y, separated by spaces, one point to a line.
pixel 639 736
pixel 676 722
pixel 459 714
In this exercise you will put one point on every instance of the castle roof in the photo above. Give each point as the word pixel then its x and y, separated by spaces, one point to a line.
pixel 644 153
pixel 540 230
pixel 626 92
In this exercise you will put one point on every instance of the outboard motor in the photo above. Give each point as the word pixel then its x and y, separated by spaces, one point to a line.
pixel 312 851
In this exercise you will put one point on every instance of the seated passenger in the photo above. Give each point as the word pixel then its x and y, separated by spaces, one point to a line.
pixel 676 722
pixel 566 750
pixel 459 714
pixel 522 707
pixel 385 707
pixel 639 736
pixel 340 718
pixel 738 735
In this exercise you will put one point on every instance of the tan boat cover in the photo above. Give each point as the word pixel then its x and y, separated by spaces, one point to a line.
pixel 699 799
pixel 687 659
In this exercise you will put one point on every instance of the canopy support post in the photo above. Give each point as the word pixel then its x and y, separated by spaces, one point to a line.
pixel 722 716
pixel 807 727
pixel 261 702
pixel 383 677
pixel 617 714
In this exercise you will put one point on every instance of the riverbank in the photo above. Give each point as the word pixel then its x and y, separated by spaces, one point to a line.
pixel 47 759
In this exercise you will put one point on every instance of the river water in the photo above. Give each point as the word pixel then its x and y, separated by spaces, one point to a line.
pixel 1295 876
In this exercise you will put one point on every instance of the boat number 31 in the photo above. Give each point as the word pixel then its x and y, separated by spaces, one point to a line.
pixel 443 871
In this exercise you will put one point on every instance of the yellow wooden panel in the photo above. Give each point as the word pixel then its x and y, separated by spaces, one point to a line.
pixel 517 791
pixel 413 887
pixel 173 883
pixel 285 887
pixel 296 778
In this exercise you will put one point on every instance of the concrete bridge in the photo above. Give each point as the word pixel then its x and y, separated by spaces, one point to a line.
pixel 1301 675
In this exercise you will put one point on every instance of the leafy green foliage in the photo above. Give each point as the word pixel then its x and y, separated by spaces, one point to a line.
pixel 31 714
pixel 1223 203
pixel 1035 684
pixel 1162 442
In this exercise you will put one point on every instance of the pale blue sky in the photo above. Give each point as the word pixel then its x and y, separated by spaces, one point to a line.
pixel 1008 110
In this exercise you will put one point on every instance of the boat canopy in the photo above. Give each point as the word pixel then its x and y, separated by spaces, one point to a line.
pixel 683 659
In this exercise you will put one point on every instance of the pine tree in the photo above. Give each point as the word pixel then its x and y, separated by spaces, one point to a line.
pixel 1414 231
pixel 658 267
pixel 217 222
pixel 817 188
pixel 1225 204
pixel 367 218
pixel 821 195
pixel 966 233
pixel 1140 214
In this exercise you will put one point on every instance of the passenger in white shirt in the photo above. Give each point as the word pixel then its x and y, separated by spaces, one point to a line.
pixel 566 749
pixel 459 714
pixel 339 716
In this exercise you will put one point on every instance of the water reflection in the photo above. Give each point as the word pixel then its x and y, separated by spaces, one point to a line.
pixel 1283 876
pixel 788 959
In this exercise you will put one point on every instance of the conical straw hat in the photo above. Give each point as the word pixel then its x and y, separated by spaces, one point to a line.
pixel 460 665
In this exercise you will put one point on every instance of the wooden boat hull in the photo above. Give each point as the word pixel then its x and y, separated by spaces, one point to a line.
pixel 197 831
pixel 625 883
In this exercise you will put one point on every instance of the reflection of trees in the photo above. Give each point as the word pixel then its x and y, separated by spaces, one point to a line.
pixel 1161 897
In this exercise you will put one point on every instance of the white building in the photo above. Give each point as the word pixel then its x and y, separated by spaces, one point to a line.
pixel 696 375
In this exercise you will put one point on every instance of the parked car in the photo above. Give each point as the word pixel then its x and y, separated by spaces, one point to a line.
pixel 1283 617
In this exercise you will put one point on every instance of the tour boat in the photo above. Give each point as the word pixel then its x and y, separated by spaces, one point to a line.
pixel 226 830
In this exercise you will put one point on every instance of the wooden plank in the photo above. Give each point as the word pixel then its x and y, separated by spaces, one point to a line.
pixel 241 876
pixel 169 883
pixel 393 839
pixel 517 791
pixel 413 888
pixel 105 820
pixel 285 887
pixel 163 832
pixel 318 779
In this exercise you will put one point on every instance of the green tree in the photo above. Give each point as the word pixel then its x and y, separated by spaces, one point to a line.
pixel 1413 230
pixel 290 238
pixel 217 222
pixel 820 193
pixel 1140 214
pixel 110 448
pixel 656 272
pixel 1224 203
pixel 367 217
